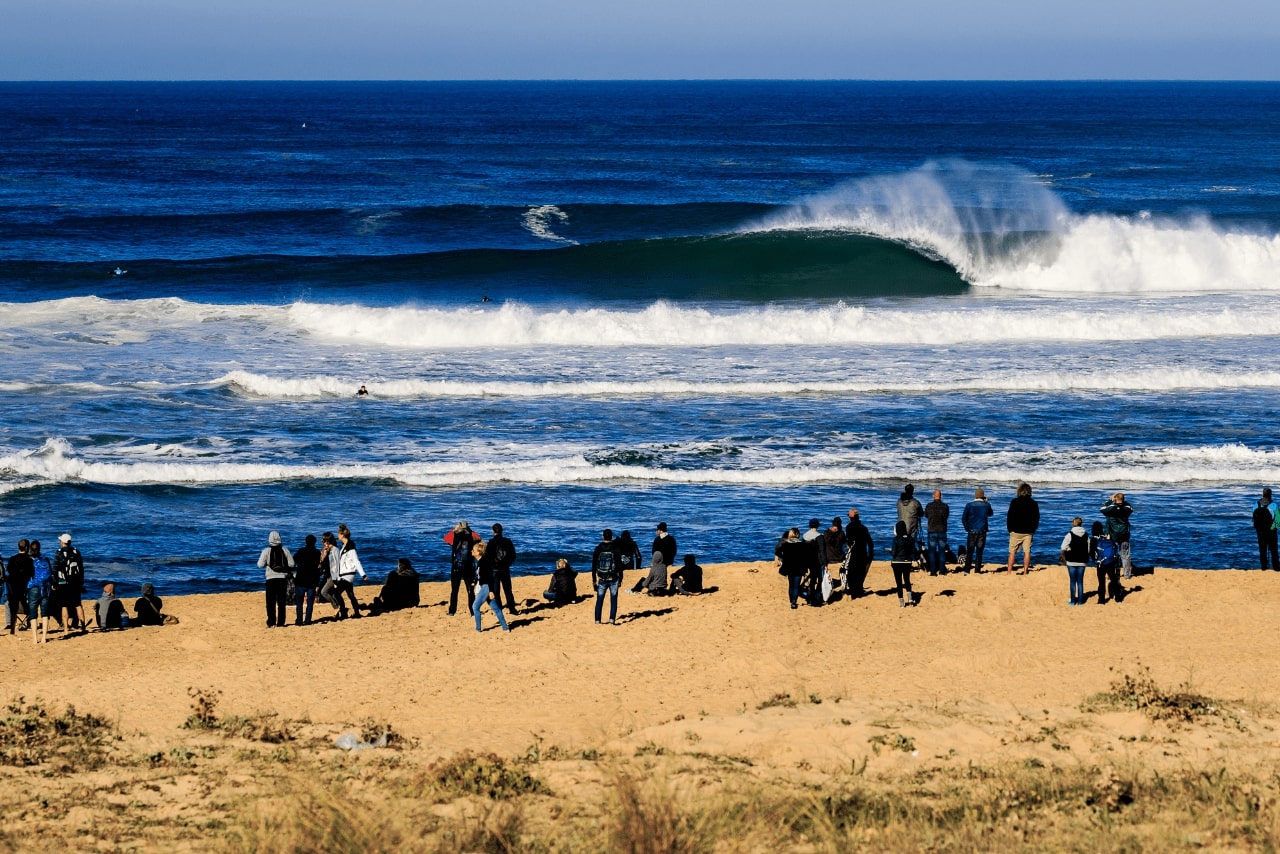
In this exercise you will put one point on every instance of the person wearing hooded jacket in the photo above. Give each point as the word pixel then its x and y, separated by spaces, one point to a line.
pixel 348 567
pixel 858 559
pixel 276 561
pixel 1022 520
pixel 910 511
pixel 1075 554
pixel 792 554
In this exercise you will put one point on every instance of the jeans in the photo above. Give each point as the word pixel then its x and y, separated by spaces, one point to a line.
pixel 277 590
pixel 794 582
pixel 1267 542
pixel 937 553
pixel 977 542
pixel 1124 560
pixel 457 577
pixel 8 609
pixel 482 596
pixel 612 587
pixel 307 595
pixel 1075 577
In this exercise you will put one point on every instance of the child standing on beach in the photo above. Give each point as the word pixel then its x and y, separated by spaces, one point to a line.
pixel 1075 554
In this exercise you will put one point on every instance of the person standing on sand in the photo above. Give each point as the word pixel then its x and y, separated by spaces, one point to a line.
pixel 835 541
pixel 68 582
pixel 937 514
pixel 817 562
pixel 793 562
pixel 605 558
pixel 306 578
pixel 39 593
pixel 1106 558
pixel 1022 520
pixel 330 570
pixel 910 511
pixel 17 579
pixel 504 554
pixel 484 580
pixel 666 544
pixel 1118 511
pixel 276 562
pixel 348 567
pixel 1264 523
pixel 905 552
pixel 629 556
pixel 462 566
pixel 858 559
pixel 976 520
pixel 1075 554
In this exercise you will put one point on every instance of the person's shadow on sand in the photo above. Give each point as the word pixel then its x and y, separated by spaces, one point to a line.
pixel 640 615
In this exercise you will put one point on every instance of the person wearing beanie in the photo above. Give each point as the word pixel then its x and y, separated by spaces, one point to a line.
pixel 277 562
pixel 147 608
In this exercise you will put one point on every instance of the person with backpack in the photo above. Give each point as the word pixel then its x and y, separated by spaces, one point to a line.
pixel 606 575
pixel 68 583
pixel 462 566
pixel 504 554
pixel 1264 524
pixel 277 563
pixel 817 564
pixel 484 580
pixel 39 593
pixel 1106 557
pixel 1075 554
pixel 1118 511
pixel 792 554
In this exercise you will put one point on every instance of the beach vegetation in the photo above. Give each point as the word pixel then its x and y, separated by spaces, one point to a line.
pixel 32 735
pixel 1140 692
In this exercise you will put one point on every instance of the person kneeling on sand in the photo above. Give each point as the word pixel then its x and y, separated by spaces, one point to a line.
pixel 905 552
pixel 564 585
pixel 401 590
pixel 108 611
pixel 147 609
pixel 655 583
pixel 688 578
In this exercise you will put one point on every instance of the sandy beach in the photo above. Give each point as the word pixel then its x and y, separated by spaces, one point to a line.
pixel 986 670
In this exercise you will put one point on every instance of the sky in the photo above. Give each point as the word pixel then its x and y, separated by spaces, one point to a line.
pixel 639 39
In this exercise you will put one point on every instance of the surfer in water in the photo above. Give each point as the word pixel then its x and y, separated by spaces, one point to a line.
pixel 119 272
pixel 362 392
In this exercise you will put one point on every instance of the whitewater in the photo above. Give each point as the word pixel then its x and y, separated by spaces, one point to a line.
pixel 731 323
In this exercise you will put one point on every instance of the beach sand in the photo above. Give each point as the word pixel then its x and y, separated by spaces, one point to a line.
pixel 986 670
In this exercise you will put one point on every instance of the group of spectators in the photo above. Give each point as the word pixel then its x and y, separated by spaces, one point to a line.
pixel 37 591
pixel 921 539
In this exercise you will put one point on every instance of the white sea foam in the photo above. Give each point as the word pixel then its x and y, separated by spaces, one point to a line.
pixel 538 222
pixel 1000 227
pixel 56 462
pixel 1153 380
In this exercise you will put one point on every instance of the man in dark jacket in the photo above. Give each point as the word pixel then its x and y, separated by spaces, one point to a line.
pixel 504 552
pixel 68 583
pixel 666 544
pixel 858 558
pixel 1118 511
pixel 1022 520
pixel 1264 523
pixel 306 578
pixel 937 514
pixel 17 577
pixel 606 559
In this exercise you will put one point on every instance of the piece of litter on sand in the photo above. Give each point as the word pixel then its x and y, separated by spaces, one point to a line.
pixel 351 741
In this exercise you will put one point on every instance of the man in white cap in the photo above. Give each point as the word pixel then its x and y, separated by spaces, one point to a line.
pixel 68 583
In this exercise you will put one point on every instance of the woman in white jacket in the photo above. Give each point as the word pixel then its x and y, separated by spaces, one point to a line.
pixel 348 567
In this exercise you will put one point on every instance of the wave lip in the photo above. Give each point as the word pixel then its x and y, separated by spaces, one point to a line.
pixel 1000 227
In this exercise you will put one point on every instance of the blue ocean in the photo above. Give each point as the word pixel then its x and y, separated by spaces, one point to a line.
pixel 729 306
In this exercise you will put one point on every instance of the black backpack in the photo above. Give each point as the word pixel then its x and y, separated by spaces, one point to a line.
pixel 1262 519
pixel 462 560
pixel 276 561
pixel 606 567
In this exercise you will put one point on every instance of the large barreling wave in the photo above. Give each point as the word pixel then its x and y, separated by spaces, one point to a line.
pixel 1001 227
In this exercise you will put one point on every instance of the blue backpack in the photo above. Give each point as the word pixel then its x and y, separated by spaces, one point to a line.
pixel 462 560
pixel 1104 552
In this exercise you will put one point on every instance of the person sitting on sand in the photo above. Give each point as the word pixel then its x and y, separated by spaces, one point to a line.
pixel 108 611
pixel 906 551
pixel 792 554
pixel 687 579
pixel 1075 554
pixel 655 583
pixel 147 609
pixel 564 585
pixel 401 590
